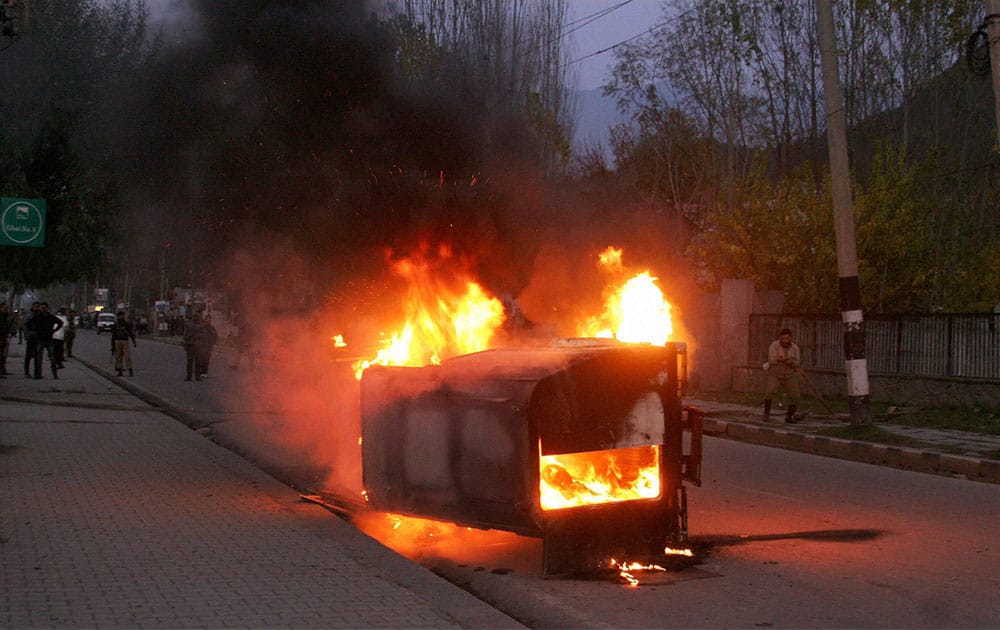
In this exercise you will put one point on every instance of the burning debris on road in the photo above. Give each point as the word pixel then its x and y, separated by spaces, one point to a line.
pixel 577 441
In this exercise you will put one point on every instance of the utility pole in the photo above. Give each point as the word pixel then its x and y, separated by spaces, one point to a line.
pixel 855 363
pixel 993 37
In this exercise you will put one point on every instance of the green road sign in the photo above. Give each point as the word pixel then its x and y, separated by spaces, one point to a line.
pixel 22 222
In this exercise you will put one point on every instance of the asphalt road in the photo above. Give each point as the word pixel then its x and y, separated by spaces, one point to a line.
pixel 783 539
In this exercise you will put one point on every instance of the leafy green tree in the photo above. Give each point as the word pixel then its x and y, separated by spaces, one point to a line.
pixel 505 56
pixel 721 88
pixel 54 127
pixel 780 235
pixel 978 285
pixel 898 269
pixel 660 155
pixel 76 216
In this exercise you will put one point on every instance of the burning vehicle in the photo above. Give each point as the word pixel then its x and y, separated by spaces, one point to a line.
pixel 581 443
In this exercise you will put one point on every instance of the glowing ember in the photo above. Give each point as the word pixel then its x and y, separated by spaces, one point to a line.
pixel 338 341
pixel 627 570
pixel 598 477
pixel 440 320
pixel 421 539
pixel 611 258
pixel 634 312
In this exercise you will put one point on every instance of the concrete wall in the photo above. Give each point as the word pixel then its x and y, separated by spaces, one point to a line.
pixel 698 326
pixel 736 306
pixel 717 330
pixel 715 326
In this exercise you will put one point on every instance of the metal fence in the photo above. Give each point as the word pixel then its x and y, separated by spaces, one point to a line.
pixel 953 345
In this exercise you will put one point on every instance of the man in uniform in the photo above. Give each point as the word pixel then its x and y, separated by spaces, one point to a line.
pixel 782 367
pixel 121 334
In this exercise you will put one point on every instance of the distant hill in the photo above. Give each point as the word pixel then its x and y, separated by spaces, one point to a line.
pixel 595 114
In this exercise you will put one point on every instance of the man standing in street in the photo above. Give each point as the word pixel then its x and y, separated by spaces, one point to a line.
pixel 783 358
pixel 121 333
pixel 41 325
pixel 71 333
pixel 59 337
pixel 244 341
pixel 194 329
pixel 29 339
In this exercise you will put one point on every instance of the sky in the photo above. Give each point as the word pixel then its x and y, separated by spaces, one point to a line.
pixel 630 18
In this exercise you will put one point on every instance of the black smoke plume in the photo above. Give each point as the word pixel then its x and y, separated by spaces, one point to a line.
pixel 275 125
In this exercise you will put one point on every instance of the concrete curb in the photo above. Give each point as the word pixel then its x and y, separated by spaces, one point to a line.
pixel 921 460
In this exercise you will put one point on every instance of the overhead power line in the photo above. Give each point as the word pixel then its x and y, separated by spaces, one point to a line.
pixel 629 39
pixel 590 19
pixel 613 46
pixel 554 35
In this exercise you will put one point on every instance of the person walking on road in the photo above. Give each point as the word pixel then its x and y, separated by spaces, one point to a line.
pixel 783 359
pixel 59 338
pixel 204 346
pixel 6 331
pixel 71 333
pixel 29 339
pixel 43 324
pixel 243 341
pixel 18 325
pixel 120 336
pixel 193 329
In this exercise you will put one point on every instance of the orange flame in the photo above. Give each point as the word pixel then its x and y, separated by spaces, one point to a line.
pixel 421 538
pixel 598 477
pixel 611 258
pixel 634 312
pixel 439 321
pixel 627 570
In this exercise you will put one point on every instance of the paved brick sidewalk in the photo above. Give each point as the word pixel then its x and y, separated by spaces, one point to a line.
pixel 115 515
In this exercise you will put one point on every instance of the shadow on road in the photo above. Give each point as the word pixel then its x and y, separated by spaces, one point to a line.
pixel 827 535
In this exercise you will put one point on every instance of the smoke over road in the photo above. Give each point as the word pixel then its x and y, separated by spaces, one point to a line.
pixel 281 152
pixel 291 142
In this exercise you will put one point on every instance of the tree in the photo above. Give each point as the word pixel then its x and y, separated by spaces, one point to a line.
pixel 508 59
pixel 73 226
pixel 895 241
pixel 739 80
pixel 660 155
pixel 77 54
pixel 780 235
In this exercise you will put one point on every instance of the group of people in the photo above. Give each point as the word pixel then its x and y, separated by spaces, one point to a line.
pixel 200 338
pixel 42 331
pixel 54 333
